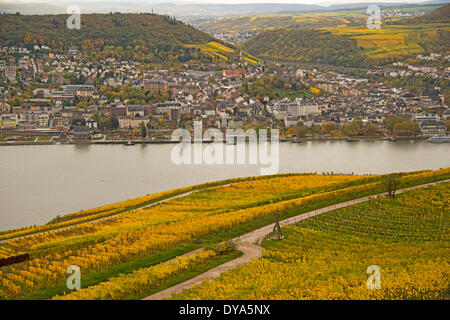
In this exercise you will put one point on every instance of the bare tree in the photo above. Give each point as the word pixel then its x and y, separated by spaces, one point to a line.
pixel 391 182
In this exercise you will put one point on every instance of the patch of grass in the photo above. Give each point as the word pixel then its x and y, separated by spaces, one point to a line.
pixel 266 220
pixel 390 40
pixel 5 235
pixel 124 268
pixel 212 238
pixel 222 52
pixel 44 139
pixel 181 277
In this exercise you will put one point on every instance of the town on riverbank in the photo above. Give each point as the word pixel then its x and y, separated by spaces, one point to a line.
pixel 48 98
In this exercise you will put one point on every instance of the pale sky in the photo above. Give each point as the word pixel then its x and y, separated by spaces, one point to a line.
pixel 150 2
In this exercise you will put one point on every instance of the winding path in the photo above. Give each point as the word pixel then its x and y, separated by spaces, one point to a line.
pixel 249 251
pixel 249 244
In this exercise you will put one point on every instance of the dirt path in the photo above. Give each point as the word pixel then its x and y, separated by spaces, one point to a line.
pixel 249 244
pixel 249 251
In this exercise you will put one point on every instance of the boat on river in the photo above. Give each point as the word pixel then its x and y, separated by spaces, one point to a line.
pixel 439 138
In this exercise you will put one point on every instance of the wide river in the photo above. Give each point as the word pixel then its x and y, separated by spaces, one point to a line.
pixel 38 183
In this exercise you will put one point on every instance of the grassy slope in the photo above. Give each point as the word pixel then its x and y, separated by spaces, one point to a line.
pixel 222 52
pixel 392 40
pixel 440 15
pixel 213 238
pixel 74 218
pixel 298 20
pixel 350 45
pixel 98 277
pixel 306 45
pixel 396 38
pixel 276 21
pixel 326 257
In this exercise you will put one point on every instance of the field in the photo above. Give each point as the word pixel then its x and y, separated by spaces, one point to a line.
pixel 350 46
pixel 397 37
pixel 390 40
pixel 222 52
pixel 326 257
pixel 143 281
pixel 276 21
pixel 134 242
pixel 108 210
pixel 324 19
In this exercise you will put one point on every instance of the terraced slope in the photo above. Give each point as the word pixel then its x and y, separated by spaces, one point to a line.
pixel 327 256
pixel 133 241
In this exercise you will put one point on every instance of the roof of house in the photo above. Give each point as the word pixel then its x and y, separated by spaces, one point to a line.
pixel 81 129
pixel 432 123
pixel 134 108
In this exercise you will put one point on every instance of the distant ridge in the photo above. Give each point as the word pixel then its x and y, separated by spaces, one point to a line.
pixel 440 15
pixel 191 9
pixel 345 46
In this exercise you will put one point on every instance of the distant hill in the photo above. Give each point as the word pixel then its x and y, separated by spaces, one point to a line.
pixel 143 37
pixel 356 45
pixel 433 30
pixel 283 21
pixel 440 15
pixel 441 41
pixel 332 16
pixel 306 46
pixel 435 2
pixel 182 10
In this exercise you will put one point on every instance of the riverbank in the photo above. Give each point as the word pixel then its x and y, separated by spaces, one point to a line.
pixel 165 141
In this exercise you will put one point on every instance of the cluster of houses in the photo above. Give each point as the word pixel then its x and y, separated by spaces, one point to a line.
pixel 347 98
pixel 388 12
pixel 401 69
pixel 238 36
pixel 209 92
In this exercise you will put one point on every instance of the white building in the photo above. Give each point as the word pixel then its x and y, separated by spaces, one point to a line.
pixel 36 118
pixel 302 110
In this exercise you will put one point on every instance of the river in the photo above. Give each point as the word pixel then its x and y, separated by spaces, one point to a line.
pixel 38 183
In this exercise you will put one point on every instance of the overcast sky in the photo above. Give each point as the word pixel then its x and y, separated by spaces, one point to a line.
pixel 150 2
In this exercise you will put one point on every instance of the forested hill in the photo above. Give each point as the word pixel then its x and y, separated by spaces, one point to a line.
pixel 306 46
pixel 145 37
